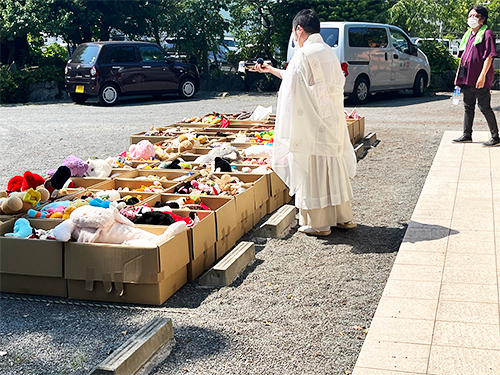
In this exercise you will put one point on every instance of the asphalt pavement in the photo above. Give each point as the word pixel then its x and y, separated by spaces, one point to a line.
pixel 297 310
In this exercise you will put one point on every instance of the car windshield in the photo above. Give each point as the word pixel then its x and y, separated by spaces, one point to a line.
pixel 85 54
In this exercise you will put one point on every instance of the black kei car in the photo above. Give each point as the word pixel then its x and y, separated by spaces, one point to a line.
pixel 108 70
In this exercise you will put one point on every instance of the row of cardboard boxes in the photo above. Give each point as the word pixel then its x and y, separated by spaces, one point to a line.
pixel 118 273
pixel 356 129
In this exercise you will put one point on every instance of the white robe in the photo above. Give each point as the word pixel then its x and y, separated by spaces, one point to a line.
pixel 312 151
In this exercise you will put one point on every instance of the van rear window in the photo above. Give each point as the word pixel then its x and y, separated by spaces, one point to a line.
pixel 330 36
pixel 85 54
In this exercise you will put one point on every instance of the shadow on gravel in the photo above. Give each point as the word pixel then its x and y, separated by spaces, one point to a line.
pixel 191 343
pixel 400 99
pixel 367 239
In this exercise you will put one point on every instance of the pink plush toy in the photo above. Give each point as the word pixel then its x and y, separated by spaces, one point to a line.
pixel 142 150
pixel 106 225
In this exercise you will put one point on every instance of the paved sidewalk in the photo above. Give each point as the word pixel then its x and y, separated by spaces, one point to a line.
pixel 439 313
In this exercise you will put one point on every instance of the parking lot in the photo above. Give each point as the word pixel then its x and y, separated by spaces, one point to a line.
pixel 304 304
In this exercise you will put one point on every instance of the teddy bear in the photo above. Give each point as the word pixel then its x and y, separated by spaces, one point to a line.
pixel 186 145
pixel 229 153
pixel 144 150
pixel 21 201
pixel 106 225
pixel 98 168
pixel 76 166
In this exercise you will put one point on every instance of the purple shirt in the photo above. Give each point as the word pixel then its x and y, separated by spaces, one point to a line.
pixel 473 58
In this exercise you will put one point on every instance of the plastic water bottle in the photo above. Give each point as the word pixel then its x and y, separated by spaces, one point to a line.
pixel 456 95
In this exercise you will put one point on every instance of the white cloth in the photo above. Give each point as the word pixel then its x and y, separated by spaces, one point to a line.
pixel 312 150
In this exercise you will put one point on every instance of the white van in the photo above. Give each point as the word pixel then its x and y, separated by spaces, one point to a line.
pixel 374 58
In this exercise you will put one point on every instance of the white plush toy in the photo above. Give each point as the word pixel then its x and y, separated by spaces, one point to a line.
pixel 106 225
pixel 98 168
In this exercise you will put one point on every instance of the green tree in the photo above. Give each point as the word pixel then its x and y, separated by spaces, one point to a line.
pixel 200 27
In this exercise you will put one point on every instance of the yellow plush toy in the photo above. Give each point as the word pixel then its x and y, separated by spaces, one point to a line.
pixel 21 202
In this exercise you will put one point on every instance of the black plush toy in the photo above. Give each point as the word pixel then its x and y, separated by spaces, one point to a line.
pixel 174 164
pixel 155 218
pixel 222 165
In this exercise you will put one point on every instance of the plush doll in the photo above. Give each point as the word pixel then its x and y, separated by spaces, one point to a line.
pixel 186 145
pixel 143 150
pixel 22 229
pixel 60 179
pixel 106 225
pixel 221 165
pixel 24 182
pixel 98 168
pixel 229 153
pixel 76 166
pixel 21 202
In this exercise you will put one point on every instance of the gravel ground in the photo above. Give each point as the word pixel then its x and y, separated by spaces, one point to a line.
pixel 296 310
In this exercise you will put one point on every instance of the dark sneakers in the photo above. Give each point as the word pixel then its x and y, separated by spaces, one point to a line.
pixel 463 139
pixel 493 142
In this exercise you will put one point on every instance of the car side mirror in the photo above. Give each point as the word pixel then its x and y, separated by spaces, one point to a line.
pixel 169 59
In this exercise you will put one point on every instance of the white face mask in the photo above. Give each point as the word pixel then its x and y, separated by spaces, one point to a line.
pixel 473 22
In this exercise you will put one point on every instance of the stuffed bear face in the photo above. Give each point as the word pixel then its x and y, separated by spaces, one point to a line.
pixel 92 217
pixel 98 168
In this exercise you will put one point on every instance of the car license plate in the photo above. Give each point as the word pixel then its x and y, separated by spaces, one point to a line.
pixel 79 89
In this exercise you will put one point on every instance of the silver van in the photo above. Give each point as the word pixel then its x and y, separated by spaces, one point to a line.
pixel 374 58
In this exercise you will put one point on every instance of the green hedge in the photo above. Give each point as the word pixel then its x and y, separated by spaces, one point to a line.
pixel 48 65
pixel 440 59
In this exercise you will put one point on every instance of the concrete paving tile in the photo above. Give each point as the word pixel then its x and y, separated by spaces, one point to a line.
pixel 466 275
pixel 432 232
pixel 464 223
pixel 424 258
pixel 472 247
pixel 467 260
pixel 467 312
pixel 436 217
pixel 407 308
pixel 412 289
pixel 394 356
pixel 436 245
pixel 427 222
pixel 410 331
pixel 479 217
pixel 442 192
pixel 472 235
pixel 473 205
pixel 452 360
pixel 372 371
pixel 469 292
pixel 468 335
pixel 417 272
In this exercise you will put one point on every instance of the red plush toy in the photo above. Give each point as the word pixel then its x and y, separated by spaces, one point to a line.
pixel 24 182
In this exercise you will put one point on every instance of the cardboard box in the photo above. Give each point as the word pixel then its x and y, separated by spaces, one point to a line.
pixel 276 184
pixel 259 214
pixel 225 244
pixel 31 266
pixel 169 175
pixel 119 273
pixel 201 264
pixel 278 200
pixel 224 208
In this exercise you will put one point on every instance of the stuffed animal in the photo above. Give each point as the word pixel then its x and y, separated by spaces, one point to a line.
pixel 76 166
pixel 106 225
pixel 143 150
pixel 186 145
pixel 22 229
pixel 229 153
pixel 21 202
pixel 24 182
pixel 98 168
pixel 221 165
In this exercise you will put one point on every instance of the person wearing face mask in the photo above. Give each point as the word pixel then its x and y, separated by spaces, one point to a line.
pixel 475 74
pixel 312 152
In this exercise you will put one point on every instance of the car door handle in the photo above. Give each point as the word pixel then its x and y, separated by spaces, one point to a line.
pixel 396 56
pixel 116 67
pixel 146 66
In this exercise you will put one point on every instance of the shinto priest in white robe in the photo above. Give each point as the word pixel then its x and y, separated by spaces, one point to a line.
pixel 312 151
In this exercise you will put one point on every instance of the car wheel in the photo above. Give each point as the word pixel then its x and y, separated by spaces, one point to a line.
pixel 79 98
pixel 187 88
pixel 419 85
pixel 109 94
pixel 361 91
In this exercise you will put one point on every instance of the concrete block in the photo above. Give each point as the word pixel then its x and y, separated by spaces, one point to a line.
pixel 370 139
pixel 230 267
pixel 276 225
pixel 359 149
pixel 134 353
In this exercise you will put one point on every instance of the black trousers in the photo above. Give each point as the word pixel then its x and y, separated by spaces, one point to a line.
pixel 483 98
